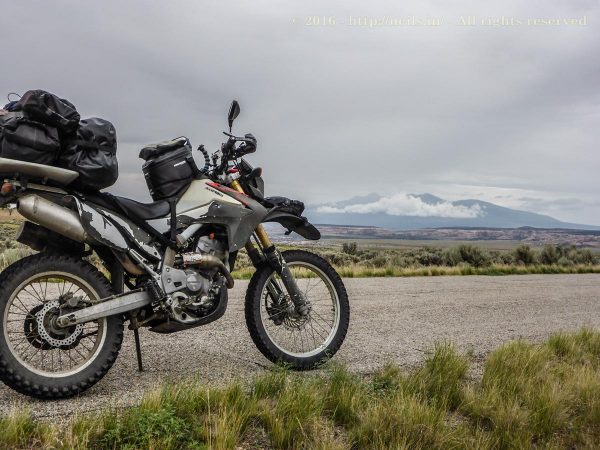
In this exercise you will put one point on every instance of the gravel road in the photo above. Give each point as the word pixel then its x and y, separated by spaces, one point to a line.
pixel 393 319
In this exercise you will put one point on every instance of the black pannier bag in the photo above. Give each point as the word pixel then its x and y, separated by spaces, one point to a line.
pixel 28 140
pixel 169 168
pixel 92 152
pixel 47 108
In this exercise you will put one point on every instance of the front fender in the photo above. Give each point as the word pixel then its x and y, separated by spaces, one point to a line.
pixel 297 224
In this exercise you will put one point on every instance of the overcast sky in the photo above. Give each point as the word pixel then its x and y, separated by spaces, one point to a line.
pixel 387 97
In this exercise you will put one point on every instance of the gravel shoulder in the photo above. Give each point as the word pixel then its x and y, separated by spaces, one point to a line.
pixel 392 319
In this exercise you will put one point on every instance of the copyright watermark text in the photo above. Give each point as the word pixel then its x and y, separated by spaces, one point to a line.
pixel 460 21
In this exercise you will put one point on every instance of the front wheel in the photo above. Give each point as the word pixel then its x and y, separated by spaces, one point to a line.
pixel 282 335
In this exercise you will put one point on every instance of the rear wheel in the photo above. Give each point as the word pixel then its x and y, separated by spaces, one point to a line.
pixel 37 357
pixel 303 342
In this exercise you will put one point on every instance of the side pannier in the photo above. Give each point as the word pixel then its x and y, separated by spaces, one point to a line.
pixel 169 168
pixel 28 140
pixel 92 152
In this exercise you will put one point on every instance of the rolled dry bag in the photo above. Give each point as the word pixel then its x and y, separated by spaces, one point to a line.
pixel 92 152
pixel 48 109
pixel 27 140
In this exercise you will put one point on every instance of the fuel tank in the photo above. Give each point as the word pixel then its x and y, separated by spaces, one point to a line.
pixel 199 195
pixel 208 202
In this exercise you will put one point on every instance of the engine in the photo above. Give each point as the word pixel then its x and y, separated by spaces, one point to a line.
pixel 202 289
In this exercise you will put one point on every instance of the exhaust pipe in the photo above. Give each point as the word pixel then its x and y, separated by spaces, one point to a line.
pixel 52 216
pixel 128 264
pixel 209 262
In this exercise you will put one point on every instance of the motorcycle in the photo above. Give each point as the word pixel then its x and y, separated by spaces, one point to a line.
pixel 164 265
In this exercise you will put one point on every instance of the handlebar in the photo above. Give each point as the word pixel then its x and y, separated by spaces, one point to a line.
pixel 228 152
pixel 248 145
pixel 228 146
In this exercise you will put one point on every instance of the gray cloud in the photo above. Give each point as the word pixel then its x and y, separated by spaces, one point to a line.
pixel 338 110
pixel 557 206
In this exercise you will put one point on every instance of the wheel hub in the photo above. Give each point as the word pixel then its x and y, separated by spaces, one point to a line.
pixel 283 311
pixel 49 332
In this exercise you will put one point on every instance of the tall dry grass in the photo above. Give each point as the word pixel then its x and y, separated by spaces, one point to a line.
pixel 529 396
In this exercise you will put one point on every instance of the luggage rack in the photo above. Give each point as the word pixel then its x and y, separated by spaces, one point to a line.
pixel 40 171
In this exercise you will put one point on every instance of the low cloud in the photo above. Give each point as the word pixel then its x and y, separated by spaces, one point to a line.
pixel 408 205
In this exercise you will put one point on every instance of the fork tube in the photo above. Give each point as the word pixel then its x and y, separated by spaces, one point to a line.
pixel 275 258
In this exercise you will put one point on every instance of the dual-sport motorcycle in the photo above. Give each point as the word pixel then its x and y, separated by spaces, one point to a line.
pixel 62 319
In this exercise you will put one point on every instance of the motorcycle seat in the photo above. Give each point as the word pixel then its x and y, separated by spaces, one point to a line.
pixel 145 211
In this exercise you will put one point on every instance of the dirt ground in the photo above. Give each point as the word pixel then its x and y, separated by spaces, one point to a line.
pixel 392 319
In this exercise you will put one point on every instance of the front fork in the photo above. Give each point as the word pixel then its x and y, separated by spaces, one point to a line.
pixel 275 259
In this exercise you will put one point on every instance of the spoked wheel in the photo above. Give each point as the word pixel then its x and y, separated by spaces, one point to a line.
pixel 39 358
pixel 279 332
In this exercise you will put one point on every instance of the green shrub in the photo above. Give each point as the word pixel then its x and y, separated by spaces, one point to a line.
pixel 506 258
pixel 583 256
pixel 379 261
pixel 401 261
pixel 338 258
pixel 467 254
pixel 144 428
pixel 564 261
pixel 430 257
pixel 349 248
pixel 549 255
pixel 12 255
pixel 524 254
pixel 452 257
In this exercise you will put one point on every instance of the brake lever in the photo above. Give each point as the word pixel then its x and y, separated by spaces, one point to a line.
pixel 240 139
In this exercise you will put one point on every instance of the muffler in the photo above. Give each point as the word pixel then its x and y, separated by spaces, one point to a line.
pixel 52 216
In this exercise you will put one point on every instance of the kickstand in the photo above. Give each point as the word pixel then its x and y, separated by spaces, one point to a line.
pixel 138 350
pixel 117 281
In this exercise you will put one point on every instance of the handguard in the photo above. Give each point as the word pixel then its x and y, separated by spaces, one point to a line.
pixel 288 213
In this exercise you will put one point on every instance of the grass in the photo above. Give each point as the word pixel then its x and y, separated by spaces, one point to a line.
pixel 361 271
pixel 357 261
pixel 529 396
pixel 500 269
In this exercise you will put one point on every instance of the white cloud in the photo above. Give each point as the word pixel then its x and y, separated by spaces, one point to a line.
pixel 408 205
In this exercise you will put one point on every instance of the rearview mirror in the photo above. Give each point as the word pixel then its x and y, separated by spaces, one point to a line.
pixel 234 111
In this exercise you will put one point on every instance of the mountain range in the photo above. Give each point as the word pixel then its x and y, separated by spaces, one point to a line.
pixel 417 211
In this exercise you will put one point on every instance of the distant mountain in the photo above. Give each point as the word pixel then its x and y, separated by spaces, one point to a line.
pixel 416 211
